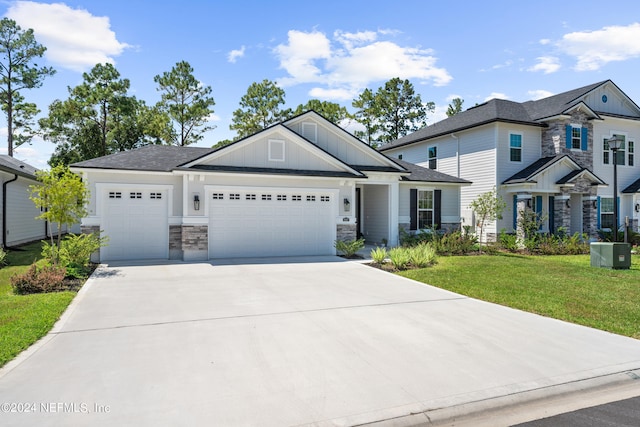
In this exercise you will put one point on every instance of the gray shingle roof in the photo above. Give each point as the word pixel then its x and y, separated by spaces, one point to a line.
pixel 633 188
pixel 533 169
pixel 157 158
pixel 422 174
pixel 12 165
pixel 272 171
pixel 530 113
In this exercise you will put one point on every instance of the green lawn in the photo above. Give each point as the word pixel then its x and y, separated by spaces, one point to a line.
pixel 25 318
pixel 562 287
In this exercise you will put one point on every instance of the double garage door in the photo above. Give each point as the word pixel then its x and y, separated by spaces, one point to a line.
pixel 255 223
pixel 242 223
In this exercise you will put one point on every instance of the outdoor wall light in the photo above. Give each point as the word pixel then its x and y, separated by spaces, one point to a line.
pixel 196 202
pixel 529 203
pixel 637 207
pixel 568 203
pixel 347 205
pixel 595 204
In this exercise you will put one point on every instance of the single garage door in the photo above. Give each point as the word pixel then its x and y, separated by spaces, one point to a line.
pixel 271 223
pixel 136 222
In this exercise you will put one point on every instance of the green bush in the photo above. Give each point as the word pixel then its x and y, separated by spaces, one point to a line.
pixel 508 241
pixel 37 280
pixel 3 257
pixel 454 243
pixel 422 256
pixel 378 255
pixel 74 254
pixel 349 247
pixel 399 258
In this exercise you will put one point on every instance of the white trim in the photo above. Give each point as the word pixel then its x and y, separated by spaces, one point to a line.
pixel 119 171
pixel 521 148
pixel 103 187
pixel 314 126
pixel 276 150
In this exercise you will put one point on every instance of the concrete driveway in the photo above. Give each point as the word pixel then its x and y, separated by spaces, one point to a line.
pixel 297 341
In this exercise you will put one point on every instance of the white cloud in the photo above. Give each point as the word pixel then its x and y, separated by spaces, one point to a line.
pixel 452 97
pixel 545 41
pixel 594 49
pixel 235 54
pixel 352 61
pixel 546 64
pixel 539 94
pixel 74 38
pixel 496 95
pixel 337 94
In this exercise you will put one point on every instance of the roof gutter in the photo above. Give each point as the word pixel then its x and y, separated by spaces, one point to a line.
pixel 4 209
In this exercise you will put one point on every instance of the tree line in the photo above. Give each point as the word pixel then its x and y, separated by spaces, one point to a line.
pixel 100 117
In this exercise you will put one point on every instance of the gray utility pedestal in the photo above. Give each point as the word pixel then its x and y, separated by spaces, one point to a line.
pixel 611 255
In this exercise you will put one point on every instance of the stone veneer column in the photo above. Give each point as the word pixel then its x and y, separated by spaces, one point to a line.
pixel 562 213
pixel 523 200
pixel 91 229
pixel 195 242
pixel 175 242
pixel 346 232
pixel 590 216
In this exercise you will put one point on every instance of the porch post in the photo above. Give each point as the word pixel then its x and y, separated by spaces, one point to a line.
pixel 563 212
pixel 394 218
pixel 523 204
pixel 590 216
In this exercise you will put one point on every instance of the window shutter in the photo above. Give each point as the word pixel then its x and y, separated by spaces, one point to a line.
pixel 539 209
pixel 437 208
pixel 413 209
pixel 584 134
pixel 515 212
pixel 568 142
pixel 598 215
pixel 552 214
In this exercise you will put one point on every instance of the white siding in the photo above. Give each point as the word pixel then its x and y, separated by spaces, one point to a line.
pixel 531 149
pixel 616 103
pixel 22 225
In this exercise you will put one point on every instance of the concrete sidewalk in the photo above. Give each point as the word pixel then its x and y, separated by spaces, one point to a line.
pixel 296 341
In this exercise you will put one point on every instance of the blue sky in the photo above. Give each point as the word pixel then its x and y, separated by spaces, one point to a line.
pixel 332 50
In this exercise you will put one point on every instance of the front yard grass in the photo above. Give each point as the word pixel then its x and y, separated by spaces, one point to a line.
pixel 24 319
pixel 562 287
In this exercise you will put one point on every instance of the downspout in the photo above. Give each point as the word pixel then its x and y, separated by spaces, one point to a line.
pixel 453 135
pixel 4 210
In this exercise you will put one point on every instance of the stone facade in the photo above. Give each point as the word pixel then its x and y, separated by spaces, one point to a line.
pixel 175 242
pixel 562 213
pixel 589 217
pixel 346 232
pixel 188 242
pixel 554 140
pixel 522 206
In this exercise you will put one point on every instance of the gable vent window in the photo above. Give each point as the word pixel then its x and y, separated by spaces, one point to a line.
pixel 135 195
pixel 325 199
pixel 234 196
pixel 218 196
pixel 310 131
pixel 296 198
pixel 282 197
pixel 266 197
pixel 276 150
pixel 155 196
pixel 115 195
pixel 311 198
pixel 250 197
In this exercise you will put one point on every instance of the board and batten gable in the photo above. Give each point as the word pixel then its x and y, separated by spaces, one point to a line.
pixel 273 150
pixel 607 98
pixel 336 141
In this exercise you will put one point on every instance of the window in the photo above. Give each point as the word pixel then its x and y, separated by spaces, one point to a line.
pixel 576 134
pixel 577 137
pixel 311 198
pixel 400 156
pixel 234 196
pixel 276 150
pixel 515 147
pixel 621 155
pixel 218 196
pixel 266 197
pixel 433 157
pixel 250 197
pixel 155 196
pixel 282 197
pixel 630 151
pixel 115 195
pixel 425 209
pixel 325 199
pixel 135 195
pixel 606 212
pixel 296 198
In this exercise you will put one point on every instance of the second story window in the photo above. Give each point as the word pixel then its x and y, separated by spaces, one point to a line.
pixel 433 157
pixel 577 137
pixel 607 154
pixel 630 153
pixel 515 147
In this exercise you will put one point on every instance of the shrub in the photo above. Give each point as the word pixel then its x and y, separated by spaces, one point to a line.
pixel 349 247
pixel 378 255
pixel 399 257
pixel 74 253
pixel 37 280
pixel 422 255
pixel 508 241
pixel 3 257
pixel 454 243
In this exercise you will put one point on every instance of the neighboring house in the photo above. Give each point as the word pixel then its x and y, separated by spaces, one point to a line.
pixel 18 212
pixel 549 156
pixel 291 189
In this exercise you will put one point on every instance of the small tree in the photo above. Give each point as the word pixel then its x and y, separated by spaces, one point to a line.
pixel 487 207
pixel 62 197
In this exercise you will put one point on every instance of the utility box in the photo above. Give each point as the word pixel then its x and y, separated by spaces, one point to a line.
pixel 611 255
